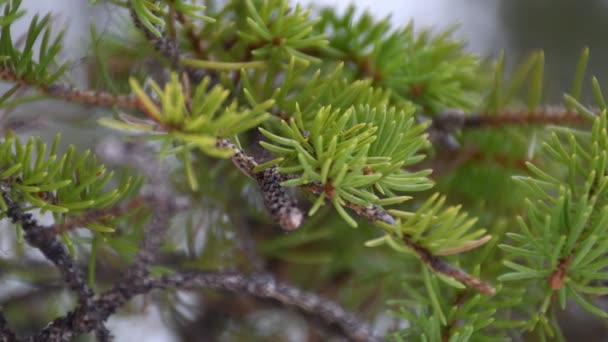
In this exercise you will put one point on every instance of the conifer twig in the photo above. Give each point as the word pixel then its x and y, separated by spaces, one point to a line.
pixel 437 264
pixel 45 240
pixel 96 215
pixel 6 334
pixel 73 94
pixel 261 286
pixel 452 120
pixel 245 163
pixel 267 287
pixel 167 48
pixel 283 207
pixel 449 121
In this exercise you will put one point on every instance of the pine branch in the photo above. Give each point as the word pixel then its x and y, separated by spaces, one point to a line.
pixel 167 48
pixel 163 44
pixel 196 41
pixel 72 94
pixel 437 264
pixel 6 334
pixel 283 207
pixel 452 120
pixel 263 287
pixel 266 287
pixel 44 239
pixel 92 216
pixel 375 213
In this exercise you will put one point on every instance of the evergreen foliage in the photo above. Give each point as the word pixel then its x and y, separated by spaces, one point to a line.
pixel 406 134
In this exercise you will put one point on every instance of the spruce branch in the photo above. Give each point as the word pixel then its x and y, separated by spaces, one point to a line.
pixel 450 120
pixel 93 216
pixel 43 238
pixel 283 207
pixel 167 47
pixel 72 94
pixel 161 42
pixel 266 287
pixel 6 334
pixel 263 287
pixel 196 41
pixel 436 263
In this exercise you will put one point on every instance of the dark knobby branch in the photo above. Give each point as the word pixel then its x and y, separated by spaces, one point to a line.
pixel 167 48
pixel 163 45
pixel 6 334
pixel 267 287
pixel 158 197
pixel 44 239
pixel 263 287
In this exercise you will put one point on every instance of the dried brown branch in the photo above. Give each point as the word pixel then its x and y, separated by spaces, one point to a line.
pixel 196 41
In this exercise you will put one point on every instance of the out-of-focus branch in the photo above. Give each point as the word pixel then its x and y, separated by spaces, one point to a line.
pixel 264 287
pixel 45 240
pixel 6 334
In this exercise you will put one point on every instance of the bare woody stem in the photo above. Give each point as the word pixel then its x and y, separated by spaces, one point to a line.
pixel 45 240
pixel 96 216
pixel 452 120
pixel 262 287
pixel 6 334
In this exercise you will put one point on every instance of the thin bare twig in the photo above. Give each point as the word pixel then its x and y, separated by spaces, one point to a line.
pixel 264 287
pixel 6 334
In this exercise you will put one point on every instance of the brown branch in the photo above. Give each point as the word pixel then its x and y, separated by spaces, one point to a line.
pixel 541 116
pixel 453 120
pixel 163 45
pixel 556 280
pixel 158 197
pixel 92 216
pixel 447 330
pixel 448 122
pixel 169 49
